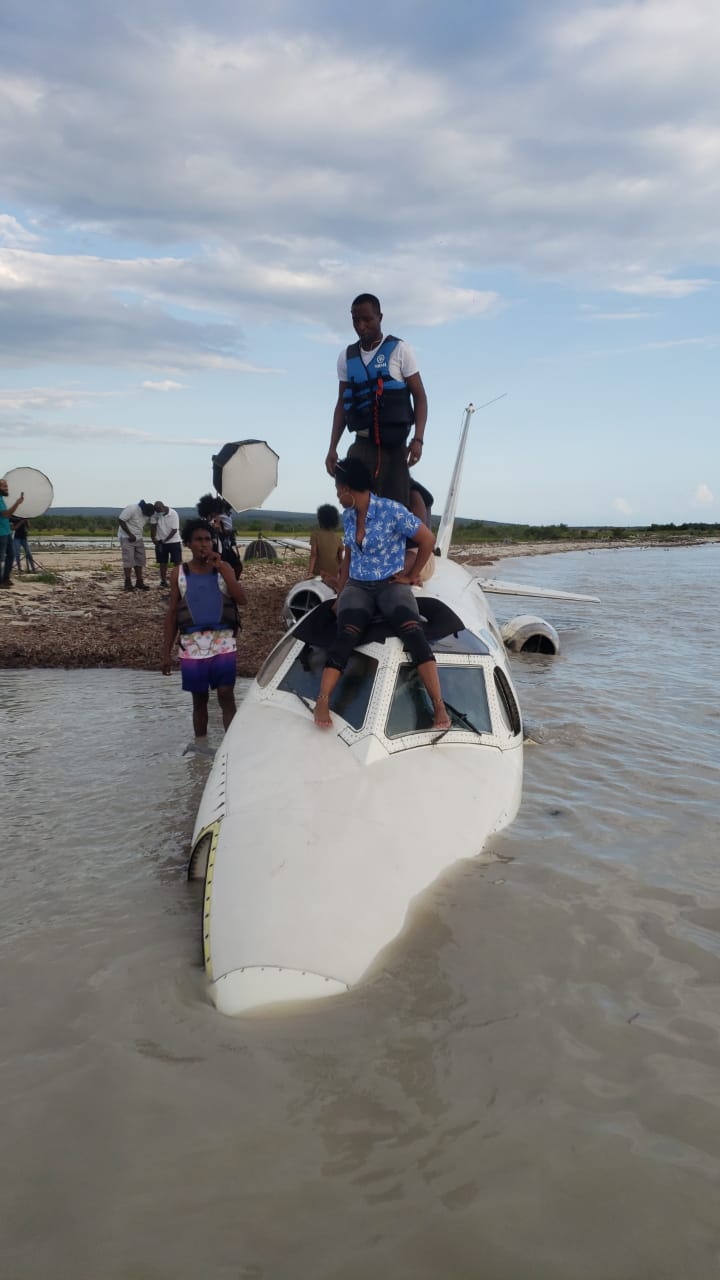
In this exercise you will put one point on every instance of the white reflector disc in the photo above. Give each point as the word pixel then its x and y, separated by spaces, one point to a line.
pixel 36 487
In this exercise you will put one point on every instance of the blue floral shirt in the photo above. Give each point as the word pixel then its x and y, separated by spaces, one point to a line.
pixel 382 553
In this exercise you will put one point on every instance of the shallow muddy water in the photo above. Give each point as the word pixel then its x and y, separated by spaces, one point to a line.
pixel 526 1089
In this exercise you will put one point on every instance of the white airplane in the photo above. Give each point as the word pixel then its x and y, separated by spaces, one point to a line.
pixel 313 844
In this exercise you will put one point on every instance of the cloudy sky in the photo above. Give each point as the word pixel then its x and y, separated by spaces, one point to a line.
pixel 194 194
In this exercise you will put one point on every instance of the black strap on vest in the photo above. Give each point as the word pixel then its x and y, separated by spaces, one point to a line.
pixel 354 350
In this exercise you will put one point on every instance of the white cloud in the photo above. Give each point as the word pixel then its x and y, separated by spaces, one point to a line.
pixel 54 398
pixel 586 148
pixel 703 496
pixel 193 191
pixel 27 429
pixel 162 313
pixel 57 308
pixel 658 286
pixel 623 506
pixel 13 233
pixel 591 140
pixel 619 315
pixel 655 40
pixel 707 343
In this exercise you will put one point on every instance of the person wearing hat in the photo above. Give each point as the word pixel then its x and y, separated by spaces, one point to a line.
pixel 131 526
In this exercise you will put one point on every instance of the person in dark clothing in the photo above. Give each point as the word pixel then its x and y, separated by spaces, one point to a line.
pixel 218 514
pixel 20 526
pixel 421 502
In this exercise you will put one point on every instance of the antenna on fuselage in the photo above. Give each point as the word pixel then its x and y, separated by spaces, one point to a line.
pixel 445 532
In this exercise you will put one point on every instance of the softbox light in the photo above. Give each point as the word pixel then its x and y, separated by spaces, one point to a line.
pixel 245 473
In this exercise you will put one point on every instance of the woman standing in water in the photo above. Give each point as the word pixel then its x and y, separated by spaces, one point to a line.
pixel 372 578
pixel 204 595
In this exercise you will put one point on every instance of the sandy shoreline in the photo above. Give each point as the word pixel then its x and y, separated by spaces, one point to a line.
pixel 84 619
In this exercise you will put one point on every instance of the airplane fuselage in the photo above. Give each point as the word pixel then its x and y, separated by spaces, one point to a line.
pixel 314 842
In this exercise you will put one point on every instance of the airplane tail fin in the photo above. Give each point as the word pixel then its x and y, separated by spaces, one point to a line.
pixel 445 532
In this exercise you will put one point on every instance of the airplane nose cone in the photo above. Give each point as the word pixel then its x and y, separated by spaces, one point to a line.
pixel 253 986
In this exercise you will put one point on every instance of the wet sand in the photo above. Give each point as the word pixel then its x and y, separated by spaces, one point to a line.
pixel 85 619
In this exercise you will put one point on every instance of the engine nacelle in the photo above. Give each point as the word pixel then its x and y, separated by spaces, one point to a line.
pixel 528 634
pixel 303 597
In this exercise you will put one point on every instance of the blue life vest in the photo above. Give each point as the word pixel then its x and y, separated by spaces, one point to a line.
pixel 373 401
pixel 204 603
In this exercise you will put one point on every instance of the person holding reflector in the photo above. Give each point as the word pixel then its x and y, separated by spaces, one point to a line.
pixel 7 549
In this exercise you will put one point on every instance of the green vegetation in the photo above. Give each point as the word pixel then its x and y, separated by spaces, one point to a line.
pixel 105 526
pixel 480 531
pixel 297 526
pixel 89 526
pixel 45 576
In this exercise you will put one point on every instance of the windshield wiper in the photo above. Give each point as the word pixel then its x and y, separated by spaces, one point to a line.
pixel 464 720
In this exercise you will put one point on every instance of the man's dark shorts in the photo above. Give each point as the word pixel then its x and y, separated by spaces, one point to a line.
pixel 168 551
pixel 393 480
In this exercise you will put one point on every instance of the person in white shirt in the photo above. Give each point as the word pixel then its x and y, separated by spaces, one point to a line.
pixel 131 525
pixel 381 397
pixel 165 533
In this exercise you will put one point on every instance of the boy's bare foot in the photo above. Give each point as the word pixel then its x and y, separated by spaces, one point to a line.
pixel 321 714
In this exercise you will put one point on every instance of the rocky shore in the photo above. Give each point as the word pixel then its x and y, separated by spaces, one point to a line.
pixel 75 613
pixel 84 618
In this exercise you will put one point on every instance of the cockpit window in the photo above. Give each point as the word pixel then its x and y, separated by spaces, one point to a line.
pixel 463 689
pixel 463 642
pixel 508 706
pixel 275 659
pixel 351 694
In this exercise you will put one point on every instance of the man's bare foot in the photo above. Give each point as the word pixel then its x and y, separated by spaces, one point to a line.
pixel 441 719
pixel 321 714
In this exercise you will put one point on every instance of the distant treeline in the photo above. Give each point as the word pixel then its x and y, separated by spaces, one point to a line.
pixel 104 526
pixel 480 531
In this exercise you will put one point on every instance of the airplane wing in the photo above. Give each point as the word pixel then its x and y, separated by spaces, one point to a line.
pixel 493 586
pixel 293 544
pixel 298 544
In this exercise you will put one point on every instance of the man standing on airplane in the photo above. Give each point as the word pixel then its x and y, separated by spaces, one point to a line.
pixel 381 396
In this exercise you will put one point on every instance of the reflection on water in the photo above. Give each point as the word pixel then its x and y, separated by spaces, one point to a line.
pixel 526 1085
